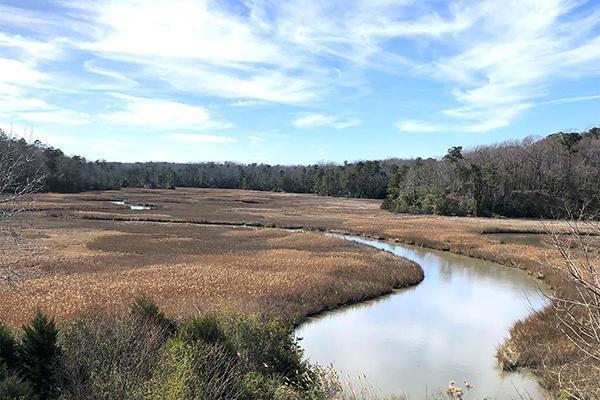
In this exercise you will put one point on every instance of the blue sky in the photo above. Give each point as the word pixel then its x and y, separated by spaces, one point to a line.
pixel 294 81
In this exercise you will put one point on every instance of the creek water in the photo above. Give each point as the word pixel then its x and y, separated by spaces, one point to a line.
pixel 447 328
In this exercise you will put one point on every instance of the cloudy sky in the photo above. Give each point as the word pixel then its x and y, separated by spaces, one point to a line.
pixel 294 81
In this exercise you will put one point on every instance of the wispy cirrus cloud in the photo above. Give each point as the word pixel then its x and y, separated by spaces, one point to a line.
pixel 313 120
pixel 19 80
pixel 162 114
pixel 574 99
pixel 201 65
pixel 264 51
pixel 200 47
pixel 505 65
pixel 477 121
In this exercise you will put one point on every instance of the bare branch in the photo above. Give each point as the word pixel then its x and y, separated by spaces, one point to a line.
pixel 20 176
pixel 577 309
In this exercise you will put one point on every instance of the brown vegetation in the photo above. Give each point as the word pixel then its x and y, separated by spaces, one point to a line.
pixel 359 216
pixel 273 271
pixel 83 265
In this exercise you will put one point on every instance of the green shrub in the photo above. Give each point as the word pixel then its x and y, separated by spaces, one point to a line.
pixel 268 347
pixel 230 355
pixel 259 386
pixel 38 353
pixel 205 329
pixel 193 370
pixel 174 378
pixel 146 309
pixel 144 356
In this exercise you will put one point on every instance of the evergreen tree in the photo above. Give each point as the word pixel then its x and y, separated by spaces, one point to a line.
pixel 8 352
pixel 38 353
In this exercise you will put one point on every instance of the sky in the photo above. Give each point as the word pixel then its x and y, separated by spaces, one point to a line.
pixel 294 81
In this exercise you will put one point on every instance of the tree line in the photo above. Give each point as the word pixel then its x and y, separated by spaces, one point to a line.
pixel 526 178
pixel 72 174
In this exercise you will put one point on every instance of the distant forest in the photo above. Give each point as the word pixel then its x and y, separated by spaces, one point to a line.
pixel 526 178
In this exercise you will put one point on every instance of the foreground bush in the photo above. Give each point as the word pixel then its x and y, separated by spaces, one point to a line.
pixel 230 356
pixel 196 371
pixel 144 355
pixel 105 357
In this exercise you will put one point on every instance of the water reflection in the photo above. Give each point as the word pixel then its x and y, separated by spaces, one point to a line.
pixel 446 328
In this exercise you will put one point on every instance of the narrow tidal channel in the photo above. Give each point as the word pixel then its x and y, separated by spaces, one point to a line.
pixel 447 328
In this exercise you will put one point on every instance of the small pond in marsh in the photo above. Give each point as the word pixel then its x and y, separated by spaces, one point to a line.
pixel 135 207
pixel 416 340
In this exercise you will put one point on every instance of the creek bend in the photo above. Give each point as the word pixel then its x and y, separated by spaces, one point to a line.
pixel 416 340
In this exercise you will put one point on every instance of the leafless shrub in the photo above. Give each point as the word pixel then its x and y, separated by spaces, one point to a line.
pixel 577 309
pixel 106 357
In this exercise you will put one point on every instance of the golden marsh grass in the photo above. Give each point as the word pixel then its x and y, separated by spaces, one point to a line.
pixel 89 265
pixel 94 256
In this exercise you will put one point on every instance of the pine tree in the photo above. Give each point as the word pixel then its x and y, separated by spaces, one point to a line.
pixel 8 351
pixel 38 353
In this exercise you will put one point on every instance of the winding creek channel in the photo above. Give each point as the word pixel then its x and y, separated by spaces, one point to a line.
pixel 416 340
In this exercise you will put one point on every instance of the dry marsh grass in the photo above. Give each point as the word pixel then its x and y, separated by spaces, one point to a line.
pixel 275 272
pixel 90 265
pixel 359 216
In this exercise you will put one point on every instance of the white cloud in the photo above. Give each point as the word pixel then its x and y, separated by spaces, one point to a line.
pixel 574 99
pixel 477 120
pixel 19 73
pixel 22 81
pixel 32 48
pixel 91 66
pixel 55 116
pixel 180 29
pixel 261 84
pixel 254 138
pixel 418 126
pixel 17 80
pixel 505 65
pixel 358 31
pixel 246 103
pixel 495 66
pixel 162 114
pixel 185 137
pixel 17 106
pixel 200 47
pixel 319 120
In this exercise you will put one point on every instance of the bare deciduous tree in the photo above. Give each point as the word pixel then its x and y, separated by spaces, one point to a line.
pixel 17 182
